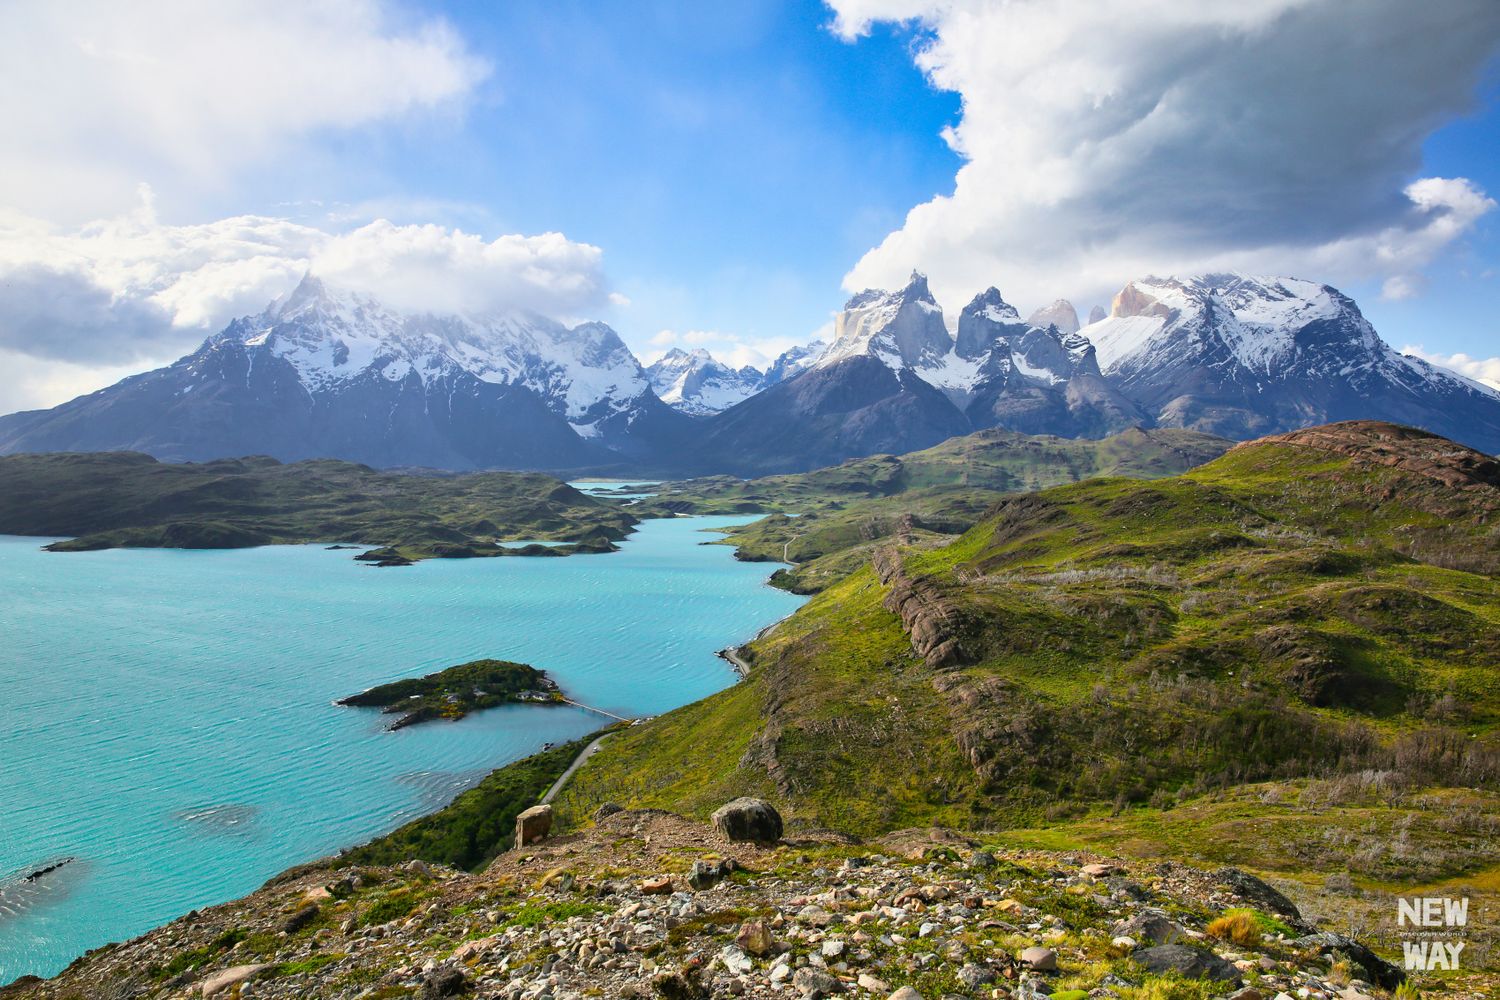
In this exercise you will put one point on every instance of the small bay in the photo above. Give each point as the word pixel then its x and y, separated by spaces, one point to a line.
pixel 168 718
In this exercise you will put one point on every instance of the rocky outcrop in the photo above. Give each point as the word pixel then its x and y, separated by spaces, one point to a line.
pixel 745 819
pixel 1406 448
pixel 932 620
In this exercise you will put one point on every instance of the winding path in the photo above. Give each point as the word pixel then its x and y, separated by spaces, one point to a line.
pixel 562 779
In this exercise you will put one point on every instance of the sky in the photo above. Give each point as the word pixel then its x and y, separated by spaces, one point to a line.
pixel 725 175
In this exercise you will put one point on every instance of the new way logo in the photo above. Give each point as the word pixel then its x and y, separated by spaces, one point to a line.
pixel 1439 942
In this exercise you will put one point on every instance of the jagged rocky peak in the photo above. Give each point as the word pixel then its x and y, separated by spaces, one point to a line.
pixel 903 329
pixel 793 361
pixel 984 322
pixel 1096 314
pixel 1060 314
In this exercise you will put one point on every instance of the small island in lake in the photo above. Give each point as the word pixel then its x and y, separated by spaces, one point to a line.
pixel 455 692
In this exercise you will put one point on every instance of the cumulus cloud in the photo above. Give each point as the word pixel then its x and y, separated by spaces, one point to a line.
pixel 1103 140
pixel 104 93
pixel 133 289
pixel 1486 370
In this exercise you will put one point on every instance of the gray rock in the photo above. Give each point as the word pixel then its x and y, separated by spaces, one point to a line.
pixel 1150 925
pixel 1364 963
pixel 607 810
pixel 905 993
pixel 815 983
pixel 1040 959
pixel 747 819
pixel 707 874
pixel 1190 963
pixel 974 976
pixel 1261 895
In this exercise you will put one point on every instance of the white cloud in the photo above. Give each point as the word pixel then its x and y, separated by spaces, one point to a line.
pixel 134 290
pixel 1104 140
pixel 104 93
pixel 1486 370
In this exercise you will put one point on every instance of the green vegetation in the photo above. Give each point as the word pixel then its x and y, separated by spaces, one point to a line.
pixel 455 692
pixel 476 826
pixel 826 522
pixel 1131 658
pixel 123 499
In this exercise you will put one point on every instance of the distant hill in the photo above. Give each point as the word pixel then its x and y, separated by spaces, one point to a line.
pixel 122 499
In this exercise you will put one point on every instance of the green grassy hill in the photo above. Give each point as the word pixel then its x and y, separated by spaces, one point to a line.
pixel 1317 615
pixel 826 522
pixel 122 499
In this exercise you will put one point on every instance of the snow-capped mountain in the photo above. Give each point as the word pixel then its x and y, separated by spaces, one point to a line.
pixel 793 361
pixel 698 384
pixel 999 370
pixel 894 379
pixel 1244 356
pixel 327 373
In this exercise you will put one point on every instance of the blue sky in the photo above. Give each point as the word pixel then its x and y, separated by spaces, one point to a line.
pixel 724 174
pixel 731 160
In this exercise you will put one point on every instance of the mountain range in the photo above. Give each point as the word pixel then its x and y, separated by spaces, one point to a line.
pixel 327 373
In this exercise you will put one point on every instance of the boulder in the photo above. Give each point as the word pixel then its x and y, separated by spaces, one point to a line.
pixel 1150 925
pixel 905 993
pixel 707 874
pixel 1260 895
pixel 746 819
pixel 814 983
pixel 533 825
pixel 755 937
pixel 1364 963
pixel 1040 959
pixel 1190 963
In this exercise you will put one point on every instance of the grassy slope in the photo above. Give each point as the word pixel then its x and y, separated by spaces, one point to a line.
pixel 123 499
pixel 480 823
pixel 1282 615
pixel 838 514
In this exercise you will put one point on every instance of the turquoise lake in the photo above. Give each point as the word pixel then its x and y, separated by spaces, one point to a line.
pixel 168 718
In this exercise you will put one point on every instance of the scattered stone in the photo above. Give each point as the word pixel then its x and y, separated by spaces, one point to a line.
pixel 905 993
pixel 1248 993
pixel 1188 962
pixel 533 825
pixel 874 985
pixel 1040 959
pixel 735 960
pixel 660 886
pixel 607 810
pixel 233 976
pixel 974 976
pixel 1099 870
pixel 747 819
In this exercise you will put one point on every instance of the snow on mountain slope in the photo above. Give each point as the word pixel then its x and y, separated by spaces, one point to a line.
pixel 1243 356
pixel 902 329
pixel 327 373
pixel 697 384
pixel 585 374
